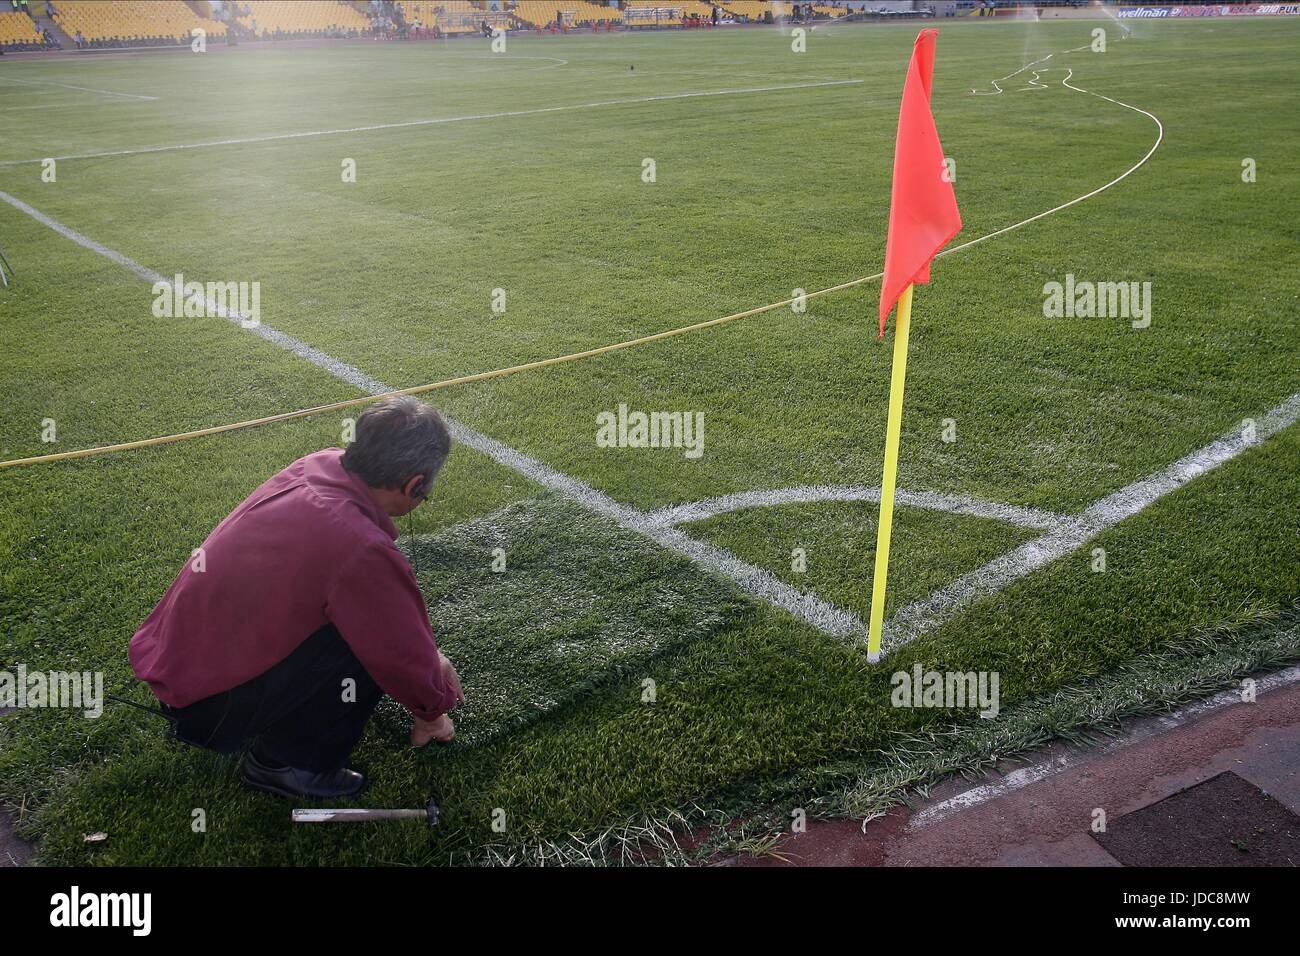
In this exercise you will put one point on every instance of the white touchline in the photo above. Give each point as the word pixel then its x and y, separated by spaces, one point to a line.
pixel 56 106
pixel 1024 776
pixel 629 101
pixel 83 89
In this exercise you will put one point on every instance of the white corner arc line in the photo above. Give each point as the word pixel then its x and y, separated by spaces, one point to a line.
pixel 815 494
pixel 1022 777
pixel 757 581
pixel 439 121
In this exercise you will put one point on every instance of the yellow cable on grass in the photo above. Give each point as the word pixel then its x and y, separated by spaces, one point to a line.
pixel 417 389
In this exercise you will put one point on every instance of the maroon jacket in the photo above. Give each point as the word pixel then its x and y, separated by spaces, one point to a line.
pixel 309 547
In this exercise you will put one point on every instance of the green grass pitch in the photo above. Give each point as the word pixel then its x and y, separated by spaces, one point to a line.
pixel 776 180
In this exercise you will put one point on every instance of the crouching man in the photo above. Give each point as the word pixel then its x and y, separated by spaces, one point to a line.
pixel 299 613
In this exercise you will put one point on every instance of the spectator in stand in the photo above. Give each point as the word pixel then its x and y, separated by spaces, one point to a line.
pixel 79 40
pixel 715 16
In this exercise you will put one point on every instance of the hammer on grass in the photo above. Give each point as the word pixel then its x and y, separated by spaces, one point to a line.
pixel 429 814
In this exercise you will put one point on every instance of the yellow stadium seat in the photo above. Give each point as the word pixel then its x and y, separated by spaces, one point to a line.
pixel 300 16
pixel 130 19
pixel 541 13
pixel 18 28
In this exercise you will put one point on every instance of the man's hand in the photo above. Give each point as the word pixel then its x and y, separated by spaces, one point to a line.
pixel 448 668
pixel 442 729
pixel 449 674
pixel 422 731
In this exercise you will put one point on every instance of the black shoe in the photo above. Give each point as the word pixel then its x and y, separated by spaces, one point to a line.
pixel 292 782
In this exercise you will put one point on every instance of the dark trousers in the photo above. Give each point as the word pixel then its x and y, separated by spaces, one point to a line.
pixel 300 712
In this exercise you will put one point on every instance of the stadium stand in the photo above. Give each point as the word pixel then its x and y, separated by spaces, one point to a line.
pixel 132 22
pixel 18 33
pixel 687 12
pixel 444 16
pixel 300 18
pixel 430 8
pixel 750 9
pixel 541 13
pixel 756 11
pixel 701 11
pixel 116 23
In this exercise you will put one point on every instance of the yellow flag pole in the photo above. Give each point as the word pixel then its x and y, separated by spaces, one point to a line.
pixel 901 327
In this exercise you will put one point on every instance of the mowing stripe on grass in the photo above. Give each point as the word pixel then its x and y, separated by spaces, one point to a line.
pixel 437 122
pixel 1024 776
pixel 589 352
pixel 910 622
pixel 758 582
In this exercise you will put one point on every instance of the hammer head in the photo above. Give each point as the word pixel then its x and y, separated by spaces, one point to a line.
pixel 432 809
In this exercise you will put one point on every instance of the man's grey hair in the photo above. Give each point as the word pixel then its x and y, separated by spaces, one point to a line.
pixel 397 439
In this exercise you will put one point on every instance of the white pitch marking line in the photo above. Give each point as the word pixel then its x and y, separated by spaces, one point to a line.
pixel 1024 776
pixel 83 89
pixel 758 582
pixel 499 57
pixel 812 494
pixel 915 619
pixel 629 101
pixel 60 106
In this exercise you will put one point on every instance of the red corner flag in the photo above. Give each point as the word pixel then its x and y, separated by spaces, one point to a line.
pixel 923 212
pixel 922 218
